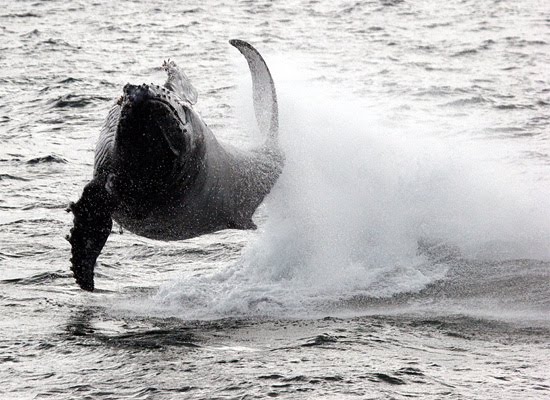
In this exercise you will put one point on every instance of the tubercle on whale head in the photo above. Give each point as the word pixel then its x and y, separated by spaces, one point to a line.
pixel 138 95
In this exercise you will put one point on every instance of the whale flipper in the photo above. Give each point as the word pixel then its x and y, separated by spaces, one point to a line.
pixel 179 83
pixel 265 96
pixel 92 226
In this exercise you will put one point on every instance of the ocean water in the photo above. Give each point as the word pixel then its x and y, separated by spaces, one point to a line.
pixel 404 252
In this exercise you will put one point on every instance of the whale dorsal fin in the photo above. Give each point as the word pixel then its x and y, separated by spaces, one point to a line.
pixel 179 83
pixel 265 97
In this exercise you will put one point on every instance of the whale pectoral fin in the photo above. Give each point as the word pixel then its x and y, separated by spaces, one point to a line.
pixel 264 93
pixel 179 83
pixel 92 226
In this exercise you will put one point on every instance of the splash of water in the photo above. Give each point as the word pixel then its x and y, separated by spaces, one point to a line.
pixel 357 196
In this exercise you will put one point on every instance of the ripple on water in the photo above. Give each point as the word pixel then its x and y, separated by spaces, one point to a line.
pixel 50 158
pixel 40 278
pixel 12 177
pixel 76 101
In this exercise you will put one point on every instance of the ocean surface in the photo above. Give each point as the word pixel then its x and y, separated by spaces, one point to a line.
pixel 404 252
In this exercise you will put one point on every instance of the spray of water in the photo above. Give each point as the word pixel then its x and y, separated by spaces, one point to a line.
pixel 358 194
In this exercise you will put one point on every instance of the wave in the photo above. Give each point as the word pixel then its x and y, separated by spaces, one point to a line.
pixel 40 278
pixel 76 101
pixel 51 158
pixel 12 177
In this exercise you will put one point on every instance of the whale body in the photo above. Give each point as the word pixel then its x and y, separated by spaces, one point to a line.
pixel 160 172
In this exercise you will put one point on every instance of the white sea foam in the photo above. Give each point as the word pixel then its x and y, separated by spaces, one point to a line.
pixel 358 193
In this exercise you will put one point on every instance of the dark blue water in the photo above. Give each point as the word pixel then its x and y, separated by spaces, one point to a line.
pixel 404 252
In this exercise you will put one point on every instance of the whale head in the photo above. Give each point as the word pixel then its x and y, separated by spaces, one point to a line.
pixel 152 119
pixel 152 141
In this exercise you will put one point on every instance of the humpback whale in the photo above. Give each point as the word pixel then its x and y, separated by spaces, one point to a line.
pixel 160 172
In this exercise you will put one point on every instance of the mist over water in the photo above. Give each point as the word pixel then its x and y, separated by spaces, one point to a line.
pixel 368 206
